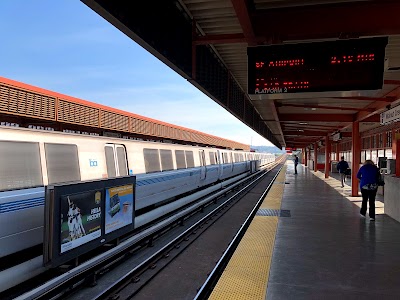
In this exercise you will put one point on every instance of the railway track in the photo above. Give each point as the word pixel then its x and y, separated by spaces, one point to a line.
pixel 149 252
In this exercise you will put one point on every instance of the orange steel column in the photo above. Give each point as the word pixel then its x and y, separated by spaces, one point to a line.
pixel 327 156
pixel 305 156
pixel 337 151
pixel 355 150
pixel 315 157
pixel 396 151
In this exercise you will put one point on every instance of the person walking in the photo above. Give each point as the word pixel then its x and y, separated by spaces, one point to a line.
pixel 368 176
pixel 296 162
pixel 342 167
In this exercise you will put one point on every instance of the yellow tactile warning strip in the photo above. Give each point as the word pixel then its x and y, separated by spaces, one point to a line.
pixel 246 275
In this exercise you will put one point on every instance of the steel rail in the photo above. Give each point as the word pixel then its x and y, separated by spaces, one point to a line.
pixel 120 283
pixel 44 290
pixel 206 289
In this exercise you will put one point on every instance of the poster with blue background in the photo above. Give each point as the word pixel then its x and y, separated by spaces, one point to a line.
pixel 119 207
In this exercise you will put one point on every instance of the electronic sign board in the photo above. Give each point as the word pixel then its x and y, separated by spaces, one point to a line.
pixel 344 65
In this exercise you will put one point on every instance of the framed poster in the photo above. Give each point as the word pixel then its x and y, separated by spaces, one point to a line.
pixel 119 207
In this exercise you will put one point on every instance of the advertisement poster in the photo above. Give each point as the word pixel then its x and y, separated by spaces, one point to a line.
pixel 119 207
pixel 80 219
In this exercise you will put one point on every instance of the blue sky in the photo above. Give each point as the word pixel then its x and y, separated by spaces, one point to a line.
pixel 64 46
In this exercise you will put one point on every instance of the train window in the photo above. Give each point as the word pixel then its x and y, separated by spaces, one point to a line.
pixel 166 160
pixel 62 162
pixel 110 161
pixel 241 157
pixel 20 165
pixel 212 158
pixel 189 159
pixel 180 159
pixel 121 158
pixel 151 160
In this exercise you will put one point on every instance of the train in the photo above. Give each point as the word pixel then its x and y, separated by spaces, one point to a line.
pixel 31 159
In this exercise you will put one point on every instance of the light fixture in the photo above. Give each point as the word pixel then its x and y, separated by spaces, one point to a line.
pixel 303 123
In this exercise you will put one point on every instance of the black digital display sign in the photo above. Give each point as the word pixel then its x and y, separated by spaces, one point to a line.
pixel 344 65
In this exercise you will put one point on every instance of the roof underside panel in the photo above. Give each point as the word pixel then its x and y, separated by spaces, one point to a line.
pixel 226 28
pixel 165 30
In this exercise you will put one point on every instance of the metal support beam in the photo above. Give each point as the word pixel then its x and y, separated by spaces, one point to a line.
pixel 315 156
pixel 220 39
pixel 327 155
pixel 194 58
pixel 240 7
pixel 363 98
pixel 325 107
pixel 276 117
pixel 305 156
pixel 355 163
pixel 317 117
pixel 304 133
pixel 361 18
pixel 396 150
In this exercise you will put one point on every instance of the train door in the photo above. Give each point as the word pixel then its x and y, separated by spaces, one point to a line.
pixel 232 161
pixel 202 156
pixel 220 162
pixel 117 164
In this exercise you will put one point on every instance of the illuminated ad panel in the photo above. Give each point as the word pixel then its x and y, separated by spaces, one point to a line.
pixel 80 219
pixel 344 65
pixel 82 216
pixel 119 207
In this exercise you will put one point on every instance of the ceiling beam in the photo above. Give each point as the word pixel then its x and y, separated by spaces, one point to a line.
pixel 304 133
pixel 389 81
pixel 317 117
pixel 309 126
pixel 378 108
pixel 240 7
pixel 366 18
pixel 324 107
pixel 374 118
pixel 384 99
pixel 275 115
pixel 220 39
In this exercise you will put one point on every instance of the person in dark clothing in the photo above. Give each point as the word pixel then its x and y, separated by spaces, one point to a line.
pixel 342 166
pixel 368 176
pixel 296 162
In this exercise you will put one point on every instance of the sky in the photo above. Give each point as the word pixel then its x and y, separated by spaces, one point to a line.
pixel 65 47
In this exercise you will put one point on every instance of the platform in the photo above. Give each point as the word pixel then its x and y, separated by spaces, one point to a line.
pixel 322 248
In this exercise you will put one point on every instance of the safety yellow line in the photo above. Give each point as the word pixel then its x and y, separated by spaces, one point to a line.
pixel 246 275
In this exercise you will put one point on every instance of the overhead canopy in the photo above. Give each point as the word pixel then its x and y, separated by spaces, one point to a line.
pixel 206 41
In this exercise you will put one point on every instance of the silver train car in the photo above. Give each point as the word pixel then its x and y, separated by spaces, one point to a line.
pixel 32 159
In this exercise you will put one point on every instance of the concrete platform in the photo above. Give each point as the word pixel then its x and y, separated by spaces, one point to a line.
pixel 325 250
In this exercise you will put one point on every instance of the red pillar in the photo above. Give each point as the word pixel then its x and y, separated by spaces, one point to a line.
pixel 396 151
pixel 305 157
pixel 337 152
pixel 315 157
pixel 356 152
pixel 327 156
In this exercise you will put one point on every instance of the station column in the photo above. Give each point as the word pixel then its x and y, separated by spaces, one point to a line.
pixel 327 156
pixel 337 151
pixel 396 150
pixel 315 157
pixel 355 161
pixel 305 157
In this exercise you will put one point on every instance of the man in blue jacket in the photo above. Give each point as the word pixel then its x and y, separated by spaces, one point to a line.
pixel 342 166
